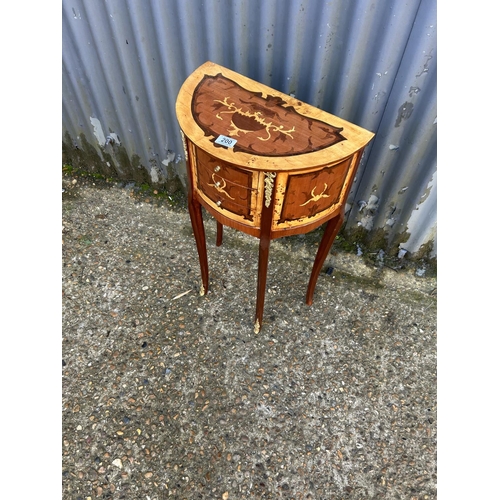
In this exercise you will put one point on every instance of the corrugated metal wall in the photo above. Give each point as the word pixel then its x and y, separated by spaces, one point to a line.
pixel 370 62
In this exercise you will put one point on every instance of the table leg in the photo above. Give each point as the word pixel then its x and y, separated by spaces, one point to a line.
pixel 261 280
pixel 199 235
pixel 264 243
pixel 218 242
pixel 331 230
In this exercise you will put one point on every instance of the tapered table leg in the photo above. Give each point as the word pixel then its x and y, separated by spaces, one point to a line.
pixel 261 280
pixel 199 235
pixel 331 230
pixel 220 227
pixel 264 243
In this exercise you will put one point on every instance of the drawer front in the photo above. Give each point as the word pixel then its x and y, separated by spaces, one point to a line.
pixel 229 187
pixel 312 194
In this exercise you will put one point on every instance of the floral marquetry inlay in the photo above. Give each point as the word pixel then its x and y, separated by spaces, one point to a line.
pixel 266 126
pixel 316 197
pixel 220 186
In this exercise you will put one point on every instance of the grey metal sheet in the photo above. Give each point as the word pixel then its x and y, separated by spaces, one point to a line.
pixel 373 63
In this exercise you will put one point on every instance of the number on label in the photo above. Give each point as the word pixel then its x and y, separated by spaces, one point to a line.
pixel 223 140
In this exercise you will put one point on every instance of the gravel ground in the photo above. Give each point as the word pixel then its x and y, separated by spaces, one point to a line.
pixel 168 394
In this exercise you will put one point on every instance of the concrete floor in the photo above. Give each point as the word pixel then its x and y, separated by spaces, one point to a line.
pixel 168 394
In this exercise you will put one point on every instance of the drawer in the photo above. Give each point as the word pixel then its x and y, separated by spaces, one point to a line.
pixel 310 194
pixel 228 186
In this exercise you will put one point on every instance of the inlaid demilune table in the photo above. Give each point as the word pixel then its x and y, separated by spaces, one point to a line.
pixel 264 163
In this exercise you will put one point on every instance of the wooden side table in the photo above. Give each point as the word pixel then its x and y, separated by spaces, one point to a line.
pixel 264 163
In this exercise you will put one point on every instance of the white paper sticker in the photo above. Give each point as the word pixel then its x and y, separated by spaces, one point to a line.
pixel 225 141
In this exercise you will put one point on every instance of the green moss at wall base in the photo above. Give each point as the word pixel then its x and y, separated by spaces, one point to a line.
pixel 85 158
pixel 371 242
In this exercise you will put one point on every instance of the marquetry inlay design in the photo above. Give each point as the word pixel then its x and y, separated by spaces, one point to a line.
pixel 245 121
pixel 316 197
pixel 264 125
pixel 221 188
